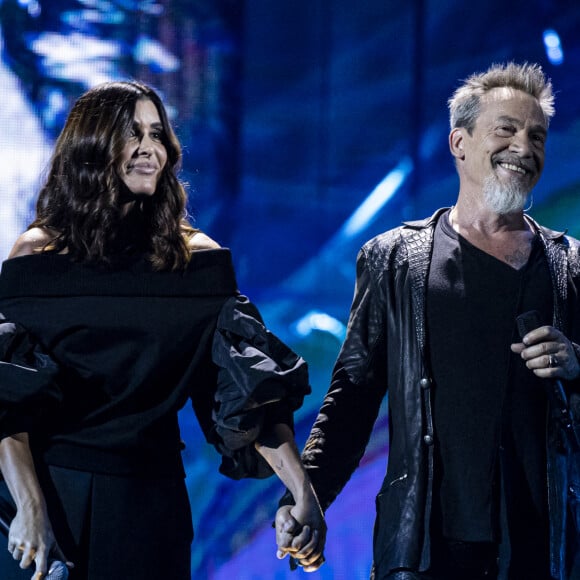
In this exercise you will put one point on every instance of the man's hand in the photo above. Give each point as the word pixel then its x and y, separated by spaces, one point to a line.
pixel 548 353
pixel 304 543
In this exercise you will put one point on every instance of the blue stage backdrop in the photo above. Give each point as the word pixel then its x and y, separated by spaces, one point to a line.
pixel 308 127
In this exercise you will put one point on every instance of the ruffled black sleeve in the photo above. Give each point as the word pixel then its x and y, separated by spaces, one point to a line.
pixel 260 382
pixel 28 389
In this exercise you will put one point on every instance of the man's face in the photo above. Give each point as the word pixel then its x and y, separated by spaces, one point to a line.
pixel 504 156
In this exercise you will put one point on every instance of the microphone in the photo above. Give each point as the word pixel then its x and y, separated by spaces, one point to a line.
pixel 57 570
pixel 526 322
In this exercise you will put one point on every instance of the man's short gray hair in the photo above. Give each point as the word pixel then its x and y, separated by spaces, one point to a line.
pixel 464 104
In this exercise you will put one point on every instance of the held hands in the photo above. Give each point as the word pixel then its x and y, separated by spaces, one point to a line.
pixel 31 539
pixel 300 529
pixel 303 542
pixel 548 353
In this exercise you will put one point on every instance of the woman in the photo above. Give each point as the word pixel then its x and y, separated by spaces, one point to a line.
pixel 116 312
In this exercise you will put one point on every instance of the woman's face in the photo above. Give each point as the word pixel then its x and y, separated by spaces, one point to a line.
pixel 144 155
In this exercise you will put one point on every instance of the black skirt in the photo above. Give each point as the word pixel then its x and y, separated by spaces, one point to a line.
pixel 114 527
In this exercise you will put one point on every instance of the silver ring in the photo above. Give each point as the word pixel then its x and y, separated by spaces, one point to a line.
pixel 552 361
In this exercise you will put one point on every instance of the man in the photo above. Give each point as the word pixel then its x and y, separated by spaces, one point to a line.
pixel 479 460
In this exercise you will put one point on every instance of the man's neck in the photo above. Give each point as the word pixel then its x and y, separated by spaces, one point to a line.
pixel 480 220
pixel 506 237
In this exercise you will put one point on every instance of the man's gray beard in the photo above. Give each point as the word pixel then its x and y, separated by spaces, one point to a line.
pixel 504 199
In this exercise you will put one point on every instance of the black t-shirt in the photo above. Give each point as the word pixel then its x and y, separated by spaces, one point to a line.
pixel 487 404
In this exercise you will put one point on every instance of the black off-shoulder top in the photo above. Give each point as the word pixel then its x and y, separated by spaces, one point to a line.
pixel 95 363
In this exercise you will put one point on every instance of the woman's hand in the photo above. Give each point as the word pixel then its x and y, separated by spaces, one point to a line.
pixel 301 533
pixel 31 540
pixel 300 529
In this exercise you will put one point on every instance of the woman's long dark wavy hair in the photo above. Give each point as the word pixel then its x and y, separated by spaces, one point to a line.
pixel 82 198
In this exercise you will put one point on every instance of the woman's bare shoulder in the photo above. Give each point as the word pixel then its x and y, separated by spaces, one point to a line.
pixel 200 241
pixel 32 241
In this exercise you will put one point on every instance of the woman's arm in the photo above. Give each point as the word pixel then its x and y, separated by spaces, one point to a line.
pixel 30 538
pixel 300 529
pixel 200 241
pixel 260 382
pixel 31 241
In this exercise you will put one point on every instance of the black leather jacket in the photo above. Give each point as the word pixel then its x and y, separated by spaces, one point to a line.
pixel 385 348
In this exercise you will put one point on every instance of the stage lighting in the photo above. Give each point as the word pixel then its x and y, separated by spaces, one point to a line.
pixel 554 50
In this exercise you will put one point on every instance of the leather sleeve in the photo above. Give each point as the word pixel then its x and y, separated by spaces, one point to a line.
pixel 344 424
